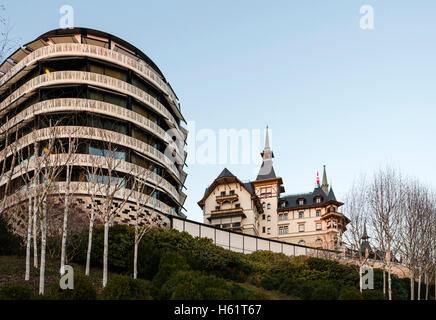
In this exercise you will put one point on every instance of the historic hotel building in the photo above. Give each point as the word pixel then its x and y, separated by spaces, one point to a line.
pixel 101 91
pixel 260 208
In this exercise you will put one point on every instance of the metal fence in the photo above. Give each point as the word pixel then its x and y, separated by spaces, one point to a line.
pixel 246 243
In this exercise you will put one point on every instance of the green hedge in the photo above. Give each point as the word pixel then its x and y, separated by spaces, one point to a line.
pixel 121 287
pixel 11 243
pixel 16 291
pixel 83 290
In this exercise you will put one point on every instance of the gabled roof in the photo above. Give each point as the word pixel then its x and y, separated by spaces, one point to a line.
pixel 292 201
pixel 226 177
pixel 225 173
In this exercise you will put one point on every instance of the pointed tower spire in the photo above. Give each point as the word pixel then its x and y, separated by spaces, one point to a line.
pixel 266 170
pixel 325 185
pixel 365 233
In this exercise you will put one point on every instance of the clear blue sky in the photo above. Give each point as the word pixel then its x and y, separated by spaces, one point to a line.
pixel 332 93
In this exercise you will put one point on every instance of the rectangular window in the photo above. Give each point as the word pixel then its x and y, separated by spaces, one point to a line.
pixel 269 230
pixel 318 226
pixel 301 214
pixel 232 192
pixel 237 205
pixel 285 229
pixel 318 213
pixel 223 193
pixel 263 229
pixel 107 153
pixel 301 227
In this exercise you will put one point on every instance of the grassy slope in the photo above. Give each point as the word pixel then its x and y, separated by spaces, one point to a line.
pixel 12 269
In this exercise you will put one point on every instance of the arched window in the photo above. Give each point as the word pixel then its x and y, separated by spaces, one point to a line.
pixel 301 242
pixel 318 241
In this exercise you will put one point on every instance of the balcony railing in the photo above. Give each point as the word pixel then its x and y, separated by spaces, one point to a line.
pixel 227 197
pixel 80 77
pixel 74 49
pixel 95 133
pixel 84 189
pixel 82 160
pixel 76 104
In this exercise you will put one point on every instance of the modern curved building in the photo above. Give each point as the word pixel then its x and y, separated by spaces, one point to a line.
pixel 99 90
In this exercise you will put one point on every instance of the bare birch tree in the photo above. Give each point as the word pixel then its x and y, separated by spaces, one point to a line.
pixel 384 200
pixel 71 150
pixel 356 209
pixel 112 190
pixel 144 217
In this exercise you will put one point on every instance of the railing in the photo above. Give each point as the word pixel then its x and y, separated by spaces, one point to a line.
pixel 73 49
pixel 99 161
pixel 94 133
pixel 95 106
pixel 61 77
pixel 246 243
pixel 84 189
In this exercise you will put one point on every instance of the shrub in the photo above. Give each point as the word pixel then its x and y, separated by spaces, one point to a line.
pixel 83 290
pixel 121 287
pixel 350 294
pixel 195 285
pixel 11 243
pixel 298 288
pixel 325 291
pixel 16 291
pixel 121 241
pixel 170 263
pixel 373 295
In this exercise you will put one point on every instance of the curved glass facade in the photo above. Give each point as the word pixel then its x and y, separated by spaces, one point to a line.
pixel 99 90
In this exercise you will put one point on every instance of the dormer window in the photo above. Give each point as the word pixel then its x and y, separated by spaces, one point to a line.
pixel 283 204
pixel 301 202
pixel 318 200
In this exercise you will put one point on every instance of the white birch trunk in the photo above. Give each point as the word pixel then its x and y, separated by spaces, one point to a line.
pixel 389 282
pixel 412 284
pixel 35 240
pixel 426 285
pixel 28 239
pixel 135 260
pixel 65 224
pixel 43 245
pixel 105 251
pixel 88 253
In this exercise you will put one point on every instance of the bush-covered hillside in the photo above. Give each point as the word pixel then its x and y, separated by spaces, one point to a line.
pixel 174 265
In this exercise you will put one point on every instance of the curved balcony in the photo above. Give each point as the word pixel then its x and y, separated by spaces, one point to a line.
pixel 100 134
pixel 87 160
pixel 94 79
pixel 74 49
pixel 94 106
pixel 83 188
